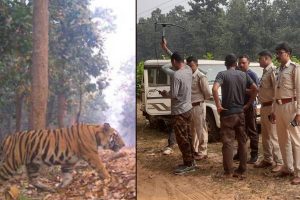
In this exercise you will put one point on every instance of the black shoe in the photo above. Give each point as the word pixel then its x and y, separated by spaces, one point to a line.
pixel 236 157
pixel 184 169
pixel 252 160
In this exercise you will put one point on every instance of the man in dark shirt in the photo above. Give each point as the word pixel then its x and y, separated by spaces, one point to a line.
pixel 250 114
pixel 233 86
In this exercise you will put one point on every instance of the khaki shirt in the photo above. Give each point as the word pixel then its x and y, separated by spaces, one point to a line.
pixel 267 84
pixel 200 88
pixel 288 83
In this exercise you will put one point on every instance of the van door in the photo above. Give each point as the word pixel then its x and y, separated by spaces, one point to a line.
pixel 157 81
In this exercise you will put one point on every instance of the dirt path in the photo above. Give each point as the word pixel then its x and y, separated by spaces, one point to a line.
pixel 155 180
pixel 161 186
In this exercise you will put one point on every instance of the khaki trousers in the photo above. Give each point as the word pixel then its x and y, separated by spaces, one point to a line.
pixel 269 138
pixel 288 137
pixel 199 129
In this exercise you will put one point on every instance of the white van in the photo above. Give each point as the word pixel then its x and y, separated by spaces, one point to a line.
pixel 157 109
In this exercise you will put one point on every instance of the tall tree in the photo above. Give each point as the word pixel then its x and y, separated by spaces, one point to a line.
pixel 76 49
pixel 39 70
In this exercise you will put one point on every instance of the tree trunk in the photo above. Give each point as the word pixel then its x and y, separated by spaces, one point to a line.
pixel 61 109
pixel 8 128
pixel 73 119
pixel 50 109
pixel 80 106
pixel 19 107
pixel 39 70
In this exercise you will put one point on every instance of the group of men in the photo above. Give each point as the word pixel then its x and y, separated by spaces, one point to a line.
pixel 278 92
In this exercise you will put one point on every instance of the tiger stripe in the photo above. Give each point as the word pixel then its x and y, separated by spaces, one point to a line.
pixel 63 147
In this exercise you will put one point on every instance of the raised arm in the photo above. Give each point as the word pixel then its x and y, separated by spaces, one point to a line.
pixel 167 69
pixel 165 47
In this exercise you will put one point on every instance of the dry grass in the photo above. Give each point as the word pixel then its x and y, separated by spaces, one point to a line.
pixel 259 184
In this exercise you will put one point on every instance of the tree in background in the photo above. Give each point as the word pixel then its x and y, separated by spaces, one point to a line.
pixel 15 59
pixel 77 52
pixel 39 69
pixel 223 26
pixel 76 62
pixel 128 123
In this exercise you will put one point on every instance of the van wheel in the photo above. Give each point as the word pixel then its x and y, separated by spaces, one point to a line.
pixel 212 129
pixel 152 122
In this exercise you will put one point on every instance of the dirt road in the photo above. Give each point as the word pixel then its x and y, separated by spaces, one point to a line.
pixel 155 180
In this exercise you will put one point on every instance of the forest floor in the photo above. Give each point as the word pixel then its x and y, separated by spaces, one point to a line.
pixel 86 183
pixel 156 181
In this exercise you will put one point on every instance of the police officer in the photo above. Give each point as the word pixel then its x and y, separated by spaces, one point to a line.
pixel 268 130
pixel 287 110
pixel 200 93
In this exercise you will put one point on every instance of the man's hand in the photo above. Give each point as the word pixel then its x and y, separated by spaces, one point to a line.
pixel 297 119
pixel 272 118
pixel 248 91
pixel 164 44
pixel 246 107
pixel 220 109
pixel 163 93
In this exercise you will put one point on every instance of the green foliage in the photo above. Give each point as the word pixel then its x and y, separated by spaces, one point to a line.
pixel 139 76
pixel 275 62
pixel 222 27
pixel 296 59
pixel 15 57
pixel 208 56
pixel 76 54
pixel 76 50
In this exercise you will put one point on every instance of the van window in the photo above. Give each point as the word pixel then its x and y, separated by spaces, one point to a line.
pixel 157 77
pixel 214 69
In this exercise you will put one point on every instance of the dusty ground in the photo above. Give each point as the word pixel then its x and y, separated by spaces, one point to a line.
pixel 86 183
pixel 155 180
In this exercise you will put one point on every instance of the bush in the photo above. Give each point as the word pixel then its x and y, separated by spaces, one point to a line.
pixel 139 76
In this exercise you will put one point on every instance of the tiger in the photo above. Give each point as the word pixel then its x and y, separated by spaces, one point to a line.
pixel 64 147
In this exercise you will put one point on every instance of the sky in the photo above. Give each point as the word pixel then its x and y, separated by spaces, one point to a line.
pixel 119 47
pixel 145 7
pixel 115 49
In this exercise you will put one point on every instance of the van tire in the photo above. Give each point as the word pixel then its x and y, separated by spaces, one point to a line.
pixel 212 129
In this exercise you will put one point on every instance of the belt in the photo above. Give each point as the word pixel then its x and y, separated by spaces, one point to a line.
pixel 197 103
pixel 268 103
pixel 285 100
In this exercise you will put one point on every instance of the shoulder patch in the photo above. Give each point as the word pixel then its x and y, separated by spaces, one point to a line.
pixel 200 74
pixel 295 64
pixel 273 68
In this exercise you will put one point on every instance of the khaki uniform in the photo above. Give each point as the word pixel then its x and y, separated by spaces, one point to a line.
pixel 200 92
pixel 268 130
pixel 287 95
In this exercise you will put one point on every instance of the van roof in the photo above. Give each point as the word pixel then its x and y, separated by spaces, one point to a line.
pixel 159 63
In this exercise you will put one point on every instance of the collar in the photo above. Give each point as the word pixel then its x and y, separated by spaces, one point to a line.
pixel 286 65
pixel 268 67
pixel 195 73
